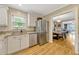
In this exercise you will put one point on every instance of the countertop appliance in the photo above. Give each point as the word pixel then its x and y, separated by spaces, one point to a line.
pixel 42 30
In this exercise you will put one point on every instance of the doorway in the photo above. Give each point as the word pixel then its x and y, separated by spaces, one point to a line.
pixel 64 24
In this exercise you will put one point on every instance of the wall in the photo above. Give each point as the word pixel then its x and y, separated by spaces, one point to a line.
pixel 77 29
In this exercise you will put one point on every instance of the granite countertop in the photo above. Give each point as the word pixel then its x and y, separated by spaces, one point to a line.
pixel 5 32
pixel 31 32
pixel 11 33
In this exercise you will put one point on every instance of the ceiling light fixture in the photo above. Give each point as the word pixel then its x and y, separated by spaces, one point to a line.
pixel 58 20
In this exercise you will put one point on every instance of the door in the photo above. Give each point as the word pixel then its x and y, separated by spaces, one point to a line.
pixel 13 44
pixel 42 38
pixel 3 47
pixel 38 26
pixel 43 26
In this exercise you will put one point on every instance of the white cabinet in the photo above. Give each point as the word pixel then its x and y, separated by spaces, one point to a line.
pixel 16 43
pixel 13 44
pixel 24 41
pixel 3 47
pixel 3 16
pixel 32 39
pixel 32 20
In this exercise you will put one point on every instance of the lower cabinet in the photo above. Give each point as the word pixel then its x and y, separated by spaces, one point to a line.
pixel 16 43
pixel 24 41
pixel 3 47
pixel 13 44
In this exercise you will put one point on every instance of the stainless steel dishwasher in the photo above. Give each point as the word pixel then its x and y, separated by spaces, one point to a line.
pixel 32 39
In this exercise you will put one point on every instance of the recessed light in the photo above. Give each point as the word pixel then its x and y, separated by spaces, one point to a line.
pixel 20 4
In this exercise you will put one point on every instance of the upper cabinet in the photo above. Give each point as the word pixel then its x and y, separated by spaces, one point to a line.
pixel 3 16
pixel 31 20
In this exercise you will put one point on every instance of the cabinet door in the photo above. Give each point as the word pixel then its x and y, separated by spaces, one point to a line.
pixel 3 16
pixel 24 41
pixel 32 20
pixel 13 44
pixel 3 47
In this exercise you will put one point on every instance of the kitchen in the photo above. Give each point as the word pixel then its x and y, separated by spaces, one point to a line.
pixel 17 30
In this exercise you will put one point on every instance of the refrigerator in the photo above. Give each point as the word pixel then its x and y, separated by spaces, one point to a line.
pixel 42 31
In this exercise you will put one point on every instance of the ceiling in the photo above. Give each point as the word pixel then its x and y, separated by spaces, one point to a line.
pixel 64 17
pixel 39 9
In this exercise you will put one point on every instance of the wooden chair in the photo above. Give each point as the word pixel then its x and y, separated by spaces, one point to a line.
pixel 55 36
pixel 61 36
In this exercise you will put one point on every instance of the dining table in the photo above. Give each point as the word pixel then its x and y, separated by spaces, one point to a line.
pixel 60 33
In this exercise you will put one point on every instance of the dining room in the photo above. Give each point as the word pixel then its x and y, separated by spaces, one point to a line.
pixel 64 27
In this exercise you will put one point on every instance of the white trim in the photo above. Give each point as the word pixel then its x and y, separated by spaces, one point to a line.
pixel 76 34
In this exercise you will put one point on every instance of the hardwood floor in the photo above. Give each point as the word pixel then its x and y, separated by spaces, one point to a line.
pixel 58 47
